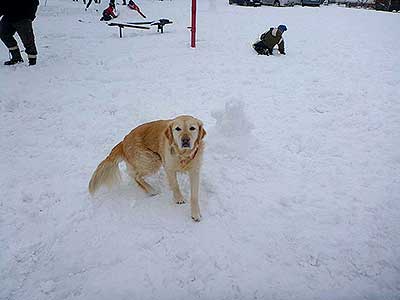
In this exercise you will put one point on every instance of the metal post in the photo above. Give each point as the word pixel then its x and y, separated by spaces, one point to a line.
pixel 193 28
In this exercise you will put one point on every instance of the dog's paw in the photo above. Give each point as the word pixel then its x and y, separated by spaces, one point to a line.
pixel 153 192
pixel 196 217
pixel 180 201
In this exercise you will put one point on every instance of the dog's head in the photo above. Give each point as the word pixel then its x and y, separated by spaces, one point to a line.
pixel 185 132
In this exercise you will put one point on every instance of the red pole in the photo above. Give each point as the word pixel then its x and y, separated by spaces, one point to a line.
pixel 193 28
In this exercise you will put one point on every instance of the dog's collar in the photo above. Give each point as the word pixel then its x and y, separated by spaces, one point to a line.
pixel 185 160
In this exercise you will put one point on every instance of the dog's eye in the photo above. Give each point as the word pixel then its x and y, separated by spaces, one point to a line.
pixel 192 128
pixel 178 129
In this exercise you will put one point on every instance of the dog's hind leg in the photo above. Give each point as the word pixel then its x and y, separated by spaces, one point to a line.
pixel 142 163
pixel 145 186
pixel 138 178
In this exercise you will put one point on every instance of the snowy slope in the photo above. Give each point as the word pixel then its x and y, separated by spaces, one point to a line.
pixel 300 183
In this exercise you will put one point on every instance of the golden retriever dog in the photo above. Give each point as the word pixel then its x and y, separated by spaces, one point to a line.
pixel 175 144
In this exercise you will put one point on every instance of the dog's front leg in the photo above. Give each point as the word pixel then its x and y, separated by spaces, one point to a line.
pixel 173 183
pixel 194 195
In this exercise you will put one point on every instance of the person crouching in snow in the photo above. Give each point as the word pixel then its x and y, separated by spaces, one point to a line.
pixel 269 39
pixel 110 12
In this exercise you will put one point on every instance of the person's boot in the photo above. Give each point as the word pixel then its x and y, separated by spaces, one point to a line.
pixel 32 61
pixel 15 58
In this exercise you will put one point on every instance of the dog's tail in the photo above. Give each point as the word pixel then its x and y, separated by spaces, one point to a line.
pixel 107 172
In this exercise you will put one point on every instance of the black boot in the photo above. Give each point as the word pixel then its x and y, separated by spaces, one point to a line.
pixel 32 61
pixel 15 58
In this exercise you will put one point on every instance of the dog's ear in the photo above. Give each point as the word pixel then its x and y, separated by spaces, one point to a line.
pixel 168 134
pixel 202 132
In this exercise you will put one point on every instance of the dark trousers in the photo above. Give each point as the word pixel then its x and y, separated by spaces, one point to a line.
pixel 106 17
pixel 90 2
pixel 261 48
pixel 25 32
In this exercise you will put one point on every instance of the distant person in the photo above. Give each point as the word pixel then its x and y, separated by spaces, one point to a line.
pixel 110 12
pixel 90 2
pixel 17 16
pixel 269 39
pixel 133 5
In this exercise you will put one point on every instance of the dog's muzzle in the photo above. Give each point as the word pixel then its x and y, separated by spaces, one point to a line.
pixel 185 142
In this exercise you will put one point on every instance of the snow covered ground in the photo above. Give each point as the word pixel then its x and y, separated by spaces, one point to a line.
pixel 300 191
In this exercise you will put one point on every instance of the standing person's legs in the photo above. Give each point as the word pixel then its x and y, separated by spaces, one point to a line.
pixel 88 4
pixel 25 31
pixel 7 32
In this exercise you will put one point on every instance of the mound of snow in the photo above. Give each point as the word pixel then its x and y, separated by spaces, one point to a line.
pixel 232 121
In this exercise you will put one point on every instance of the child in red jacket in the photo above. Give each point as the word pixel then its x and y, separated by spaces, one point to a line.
pixel 110 12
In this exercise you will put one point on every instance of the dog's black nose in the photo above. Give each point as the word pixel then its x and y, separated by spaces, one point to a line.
pixel 185 142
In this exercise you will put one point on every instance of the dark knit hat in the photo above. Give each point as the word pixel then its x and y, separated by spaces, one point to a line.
pixel 282 28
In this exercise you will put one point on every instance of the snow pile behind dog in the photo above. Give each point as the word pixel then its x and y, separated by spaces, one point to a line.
pixel 232 122
pixel 231 136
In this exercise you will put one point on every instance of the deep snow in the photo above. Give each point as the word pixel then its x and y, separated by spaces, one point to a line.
pixel 300 182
